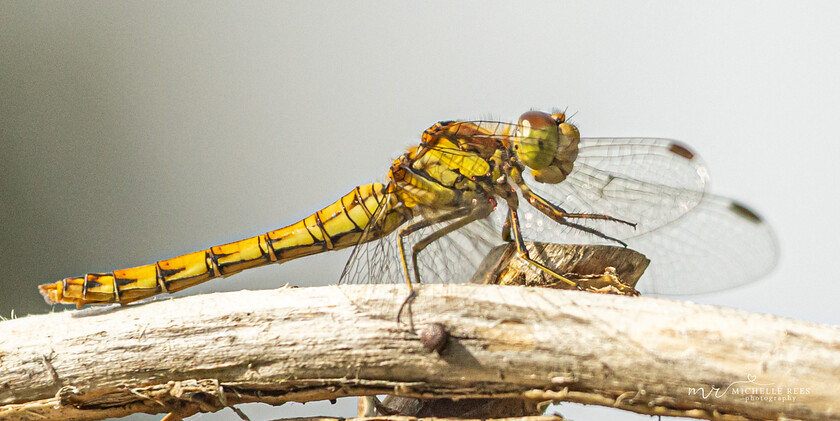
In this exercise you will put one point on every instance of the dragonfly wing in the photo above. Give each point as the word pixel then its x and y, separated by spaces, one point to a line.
pixel 373 261
pixel 720 244
pixel 644 181
pixel 697 242
pixel 452 258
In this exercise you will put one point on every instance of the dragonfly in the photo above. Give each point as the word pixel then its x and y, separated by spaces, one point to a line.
pixel 469 186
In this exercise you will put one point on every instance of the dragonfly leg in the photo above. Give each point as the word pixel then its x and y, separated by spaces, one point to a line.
pixel 523 251
pixel 412 294
pixel 549 208
pixel 467 215
pixel 559 215
pixel 475 214
pixel 412 228
pixel 408 230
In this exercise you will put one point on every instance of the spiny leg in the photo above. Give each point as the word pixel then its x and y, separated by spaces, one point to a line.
pixel 550 209
pixel 410 229
pixel 424 223
pixel 523 251
pixel 590 230
pixel 559 215
pixel 475 214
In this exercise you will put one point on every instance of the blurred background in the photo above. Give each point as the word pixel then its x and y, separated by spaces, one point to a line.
pixel 133 132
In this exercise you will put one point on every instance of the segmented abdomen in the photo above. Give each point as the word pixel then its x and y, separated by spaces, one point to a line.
pixel 337 226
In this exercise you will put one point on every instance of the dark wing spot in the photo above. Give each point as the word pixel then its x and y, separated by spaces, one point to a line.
pixel 744 212
pixel 681 151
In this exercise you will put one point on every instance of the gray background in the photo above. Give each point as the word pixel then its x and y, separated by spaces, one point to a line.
pixel 135 132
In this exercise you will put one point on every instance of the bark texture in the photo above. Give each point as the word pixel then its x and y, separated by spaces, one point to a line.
pixel 202 353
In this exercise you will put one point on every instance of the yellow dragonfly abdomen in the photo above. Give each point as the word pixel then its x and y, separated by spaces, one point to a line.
pixel 337 226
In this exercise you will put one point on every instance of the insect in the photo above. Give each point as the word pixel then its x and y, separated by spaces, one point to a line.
pixel 470 185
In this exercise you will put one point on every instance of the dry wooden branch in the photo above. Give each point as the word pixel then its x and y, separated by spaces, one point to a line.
pixel 594 268
pixel 404 418
pixel 205 352
pixel 502 266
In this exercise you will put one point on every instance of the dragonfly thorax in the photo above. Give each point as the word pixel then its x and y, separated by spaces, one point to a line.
pixel 546 144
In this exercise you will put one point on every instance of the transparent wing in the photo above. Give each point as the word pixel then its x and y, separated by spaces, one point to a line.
pixel 720 244
pixel 373 261
pixel 696 242
pixel 450 259
pixel 648 182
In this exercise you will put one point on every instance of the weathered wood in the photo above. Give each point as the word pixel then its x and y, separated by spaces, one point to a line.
pixel 481 408
pixel 204 352
pixel 404 418
pixel 594 268
pixel 599 268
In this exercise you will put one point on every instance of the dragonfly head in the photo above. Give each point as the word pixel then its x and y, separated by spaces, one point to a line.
pixel 546 144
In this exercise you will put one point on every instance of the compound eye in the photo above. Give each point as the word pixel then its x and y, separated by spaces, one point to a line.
pixel 536 120
pixel 537 139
